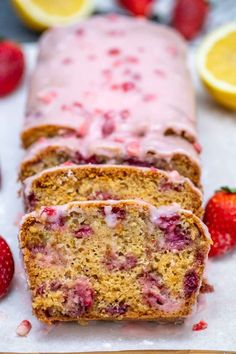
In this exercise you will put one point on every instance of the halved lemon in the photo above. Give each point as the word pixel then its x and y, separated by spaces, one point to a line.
pixel 41 14
pixel 216 62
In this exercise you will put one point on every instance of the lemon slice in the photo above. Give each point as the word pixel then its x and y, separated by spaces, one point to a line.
pixel 216 62
pixel 41 14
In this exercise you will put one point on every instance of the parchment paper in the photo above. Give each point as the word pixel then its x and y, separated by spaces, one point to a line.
pixel 217 132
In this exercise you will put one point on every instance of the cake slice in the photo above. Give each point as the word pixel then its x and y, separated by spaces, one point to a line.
pixel 170 153
pixel 64 184
pixel 113 260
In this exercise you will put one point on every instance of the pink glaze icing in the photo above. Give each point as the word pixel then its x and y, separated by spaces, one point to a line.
pixel 163 147
pixel 119 83
pixel 110 217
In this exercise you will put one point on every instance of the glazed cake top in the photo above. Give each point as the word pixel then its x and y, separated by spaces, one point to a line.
pixel 116 78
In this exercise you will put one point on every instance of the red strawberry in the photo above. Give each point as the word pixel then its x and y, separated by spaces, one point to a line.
pixel 220 217
pixel 200 326
pixel 24 328
pixel 189 16
pixel 49 211
pixel 6 267
pixel 138 7
pixel 11 66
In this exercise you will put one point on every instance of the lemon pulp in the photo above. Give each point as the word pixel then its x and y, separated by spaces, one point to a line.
pixel 221 59
pixel 42 14
pixel 63 8
pixel 216 62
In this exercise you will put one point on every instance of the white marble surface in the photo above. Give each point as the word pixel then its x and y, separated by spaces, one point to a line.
pixel 217 131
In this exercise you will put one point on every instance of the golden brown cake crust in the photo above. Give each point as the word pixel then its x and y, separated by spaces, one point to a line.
pixel 65 184
pixel 30 135
pixel 172 275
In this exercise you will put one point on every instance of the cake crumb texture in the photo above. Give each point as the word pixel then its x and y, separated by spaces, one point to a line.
pixel 98 182
pixel 113 260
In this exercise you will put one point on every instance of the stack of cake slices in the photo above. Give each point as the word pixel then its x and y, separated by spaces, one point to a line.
pixel 111 176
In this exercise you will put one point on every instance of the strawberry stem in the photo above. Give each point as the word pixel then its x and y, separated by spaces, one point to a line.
pixel 228 189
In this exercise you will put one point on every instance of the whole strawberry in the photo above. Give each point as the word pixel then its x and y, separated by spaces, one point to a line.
pixel 220 217
pixel 11 66
pixel 6 267
pixel 189 16
pixel 138 7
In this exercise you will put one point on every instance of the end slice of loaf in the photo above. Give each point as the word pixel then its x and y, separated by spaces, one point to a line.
pixel 65 184
pixel 104 260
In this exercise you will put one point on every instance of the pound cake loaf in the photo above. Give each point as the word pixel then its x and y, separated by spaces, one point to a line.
pixel 64 184
pixel 113 260
pixel 47 153
pixel 121 87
